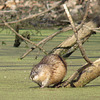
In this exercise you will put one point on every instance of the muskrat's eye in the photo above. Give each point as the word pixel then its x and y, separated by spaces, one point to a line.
pixel 34 73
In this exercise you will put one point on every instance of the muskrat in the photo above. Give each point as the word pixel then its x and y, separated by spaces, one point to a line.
pixel 50 70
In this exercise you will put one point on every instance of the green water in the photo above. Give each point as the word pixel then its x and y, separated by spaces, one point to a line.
pixel 14 73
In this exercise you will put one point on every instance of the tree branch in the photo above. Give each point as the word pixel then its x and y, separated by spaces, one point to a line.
pixel 76 36
pixel 36 46
pixel 85 15
pixel 45 40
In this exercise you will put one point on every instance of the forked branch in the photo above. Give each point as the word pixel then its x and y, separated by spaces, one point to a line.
pixel 76 36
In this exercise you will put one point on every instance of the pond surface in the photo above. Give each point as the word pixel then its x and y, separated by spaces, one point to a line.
pixel 14 73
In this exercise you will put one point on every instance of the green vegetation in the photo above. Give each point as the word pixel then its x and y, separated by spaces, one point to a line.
pixel 14 73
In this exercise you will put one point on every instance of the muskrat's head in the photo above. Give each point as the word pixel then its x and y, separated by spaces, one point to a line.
pixel 34 72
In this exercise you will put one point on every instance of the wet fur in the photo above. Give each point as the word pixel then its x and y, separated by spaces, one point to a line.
pixel 51 70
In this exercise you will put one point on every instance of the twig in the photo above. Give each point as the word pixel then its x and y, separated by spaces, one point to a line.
pixel 24 38
pixel 7 11
pixel 76 35
pixel 85 15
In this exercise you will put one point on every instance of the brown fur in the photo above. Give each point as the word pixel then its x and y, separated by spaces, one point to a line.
pixel 51 70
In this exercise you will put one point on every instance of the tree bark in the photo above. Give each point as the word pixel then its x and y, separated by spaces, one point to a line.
pixel 70 45
pixel 87 75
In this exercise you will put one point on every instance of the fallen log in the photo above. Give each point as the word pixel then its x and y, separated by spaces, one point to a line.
pixel 86 76
pixel 68 46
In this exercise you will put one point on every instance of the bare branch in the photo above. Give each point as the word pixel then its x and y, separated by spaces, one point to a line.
pixel 8 11
pixel 85 15
pixel 76 35
pixel 36 46
pixel 45 40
